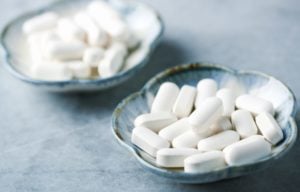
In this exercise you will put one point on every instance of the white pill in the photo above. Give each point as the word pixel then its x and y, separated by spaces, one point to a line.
pixel 203 117
pixel 95 35
pixel 41 22
pixel 218 141
pixel 254 104
pixel 222 124
pixel 68 30
pixel 51 71
pixel 189 139
pixel 155 121
pixel 108 19
pixel 79 69
pixel 148 141
pixel 168 157
pixel 61 50
pixel 228 98
pixel 247 150
pixel 204 162
pixel 205 88
pixel 113 60
pixel 244 123
pixel 269 128
pixel 185 101
pixel 92 56
pixel 165 97
pixel 175 129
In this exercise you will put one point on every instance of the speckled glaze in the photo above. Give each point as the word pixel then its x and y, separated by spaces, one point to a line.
pixel 138 15
pixel 245 81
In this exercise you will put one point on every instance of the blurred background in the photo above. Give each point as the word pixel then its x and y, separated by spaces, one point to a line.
pixel 63 142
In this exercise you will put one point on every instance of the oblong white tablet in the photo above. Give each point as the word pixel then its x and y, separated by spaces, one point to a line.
pixel 205 88
pixel 218 141
pixel 189 139
pixel 68 30
pixel 95 35
pixel 247 150
pixel 175 129
pixel 155 121
pixel 203 117
pixel 228 99
pixel 113 60
pixel 244 123
pixel 79 69
pixel 254 104
pixel 185 101
pixel 108 19
pixel 204 162
pixel 165 97
pixel 222 124
pixel 92 56
pixel 148 141
pixel 169 157
pixel 41 22
pixel 269 128
pixel 61 50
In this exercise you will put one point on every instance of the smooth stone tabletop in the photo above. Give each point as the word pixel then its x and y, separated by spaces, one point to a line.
pixel 63 142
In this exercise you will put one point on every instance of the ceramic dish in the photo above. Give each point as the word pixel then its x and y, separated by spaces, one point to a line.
pixel 139 16
pixel 252 82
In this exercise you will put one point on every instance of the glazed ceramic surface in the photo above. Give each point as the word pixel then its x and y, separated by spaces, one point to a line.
pixel 256 83
pixel 142 19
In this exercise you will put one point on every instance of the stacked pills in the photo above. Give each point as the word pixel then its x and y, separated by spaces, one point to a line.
pixel 202 128
pixel 92 42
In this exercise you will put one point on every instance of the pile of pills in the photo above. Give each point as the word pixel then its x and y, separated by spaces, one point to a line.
pixel 92 42
pixel 203 129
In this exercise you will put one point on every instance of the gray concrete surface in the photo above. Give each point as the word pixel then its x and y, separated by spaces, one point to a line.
pixel 57 142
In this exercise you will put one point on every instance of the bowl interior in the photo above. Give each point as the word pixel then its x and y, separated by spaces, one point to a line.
pixel 244 82
pixel 142 20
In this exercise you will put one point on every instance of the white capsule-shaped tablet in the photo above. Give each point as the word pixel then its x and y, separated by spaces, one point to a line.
pixel 203 117
pixel 244 123
pixel 68 30
pixel 247 150
pixel 175 129
pixel 155 121
pixel 205 88
pixel 108 19
pixel 95 35
pixel 79 69
pixel 269 128
pixel 185 101
pixel 148 141
pixel 170 157
pixel 41 22
pixel 92 56
pixel 61 50
pixel 228 98
pixel 165 97
pixel 204 162
pixel 218 141
pixel 254 104
pixel 222 124
pixel 51 71
pixel 113 60
pixel 189 139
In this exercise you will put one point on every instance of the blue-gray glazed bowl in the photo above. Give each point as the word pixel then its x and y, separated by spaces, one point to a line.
pixel 252 82
pixel 142 18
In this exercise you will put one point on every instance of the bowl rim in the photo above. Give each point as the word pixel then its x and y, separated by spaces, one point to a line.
pixel 7 56
pixel 182 176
